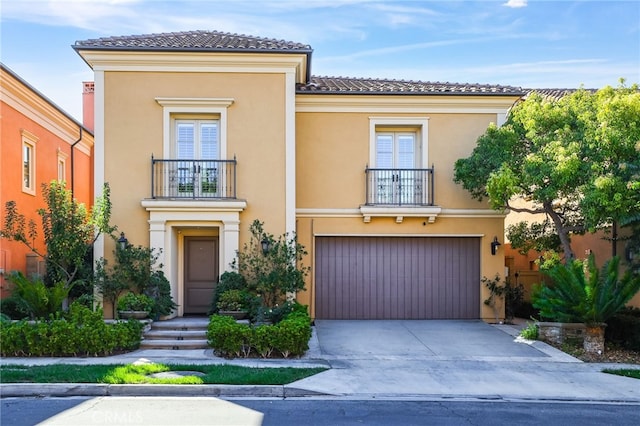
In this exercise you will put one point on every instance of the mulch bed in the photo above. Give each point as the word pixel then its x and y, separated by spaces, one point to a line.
pixel 612 354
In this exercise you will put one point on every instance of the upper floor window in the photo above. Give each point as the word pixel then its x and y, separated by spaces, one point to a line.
pixel 197 139
pixel 62 166
pixel 194 126
pixel 397 150
pixel 28 162
pixel 398 173
pixel 398 142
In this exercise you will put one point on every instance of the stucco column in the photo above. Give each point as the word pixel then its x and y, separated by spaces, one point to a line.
pixel 230 243
pixel 157 240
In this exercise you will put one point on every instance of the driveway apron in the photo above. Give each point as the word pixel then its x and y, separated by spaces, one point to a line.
pixel 453 339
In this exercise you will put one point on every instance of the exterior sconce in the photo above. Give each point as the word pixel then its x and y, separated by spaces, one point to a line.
pixel 122 241
pixel 266 245
pixel 494 245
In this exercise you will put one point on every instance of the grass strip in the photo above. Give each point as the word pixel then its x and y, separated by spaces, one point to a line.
pixel 623 372
pixel 139 374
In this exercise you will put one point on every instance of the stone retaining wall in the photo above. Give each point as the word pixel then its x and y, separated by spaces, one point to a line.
pixel 559 333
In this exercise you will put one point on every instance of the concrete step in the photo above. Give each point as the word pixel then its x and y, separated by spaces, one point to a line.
pixel 176 334
pixel 154 334
pixel 173 344
pixel 181 324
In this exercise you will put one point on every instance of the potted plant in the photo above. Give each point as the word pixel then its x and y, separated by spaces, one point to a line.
pixel 233 303
pixel 133 305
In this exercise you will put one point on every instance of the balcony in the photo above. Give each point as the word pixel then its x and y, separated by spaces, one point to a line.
pixel 399 187
pixel 400 193
pixel 193 179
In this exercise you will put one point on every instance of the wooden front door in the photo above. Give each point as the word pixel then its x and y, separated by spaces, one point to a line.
pixel 200 273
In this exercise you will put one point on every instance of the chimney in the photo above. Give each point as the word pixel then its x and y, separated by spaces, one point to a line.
pixel 88 105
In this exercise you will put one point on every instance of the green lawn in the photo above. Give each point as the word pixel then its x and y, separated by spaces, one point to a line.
pixel 624 372
pixel 132 374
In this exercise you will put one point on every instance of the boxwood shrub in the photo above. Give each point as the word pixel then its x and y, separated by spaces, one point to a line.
pixel 79 332
pixel 289 337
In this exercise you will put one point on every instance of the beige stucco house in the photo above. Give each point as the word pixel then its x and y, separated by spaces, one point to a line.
pixel 199 133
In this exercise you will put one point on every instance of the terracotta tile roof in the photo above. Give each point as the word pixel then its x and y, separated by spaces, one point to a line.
pixel 215 41
pixel 370 86
pixel 554 94
pixel 193 41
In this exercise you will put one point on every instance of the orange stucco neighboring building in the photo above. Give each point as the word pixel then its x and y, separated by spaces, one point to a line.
pixel 39 143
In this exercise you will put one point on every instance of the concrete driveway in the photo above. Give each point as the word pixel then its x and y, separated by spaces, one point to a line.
pixel 413 339
pixel 453 359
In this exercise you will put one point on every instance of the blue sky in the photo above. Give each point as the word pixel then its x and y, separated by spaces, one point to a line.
pixel 526 43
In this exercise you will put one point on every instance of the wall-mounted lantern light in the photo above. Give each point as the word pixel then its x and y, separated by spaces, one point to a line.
pixel 494 245
pixel 122 241
pixel 266 245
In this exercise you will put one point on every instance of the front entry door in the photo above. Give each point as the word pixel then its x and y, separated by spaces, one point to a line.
pixel 200 273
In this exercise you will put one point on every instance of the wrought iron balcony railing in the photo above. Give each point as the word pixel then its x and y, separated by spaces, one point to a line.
pixel 193 179
pixel 399 187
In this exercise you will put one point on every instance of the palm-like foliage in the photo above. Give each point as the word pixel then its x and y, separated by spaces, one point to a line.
pixel 590 297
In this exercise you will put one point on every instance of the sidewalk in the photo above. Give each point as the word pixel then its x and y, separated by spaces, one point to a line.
pixel 550 375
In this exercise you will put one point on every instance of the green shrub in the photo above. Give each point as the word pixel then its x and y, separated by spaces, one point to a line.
pixel 232 300
pixel 530 332
pixel 135 302
pixel 80 332
pixel 583 293
pixel 292 335
pixel 229 280
pixel 263 341
pixel 228 337
pixel 10 306
pixel 288 338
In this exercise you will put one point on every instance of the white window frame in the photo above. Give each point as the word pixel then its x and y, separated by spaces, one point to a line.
pixel 62 166
pixel 175 107
pixel 196 121
pixel 377 124
pixel 29 140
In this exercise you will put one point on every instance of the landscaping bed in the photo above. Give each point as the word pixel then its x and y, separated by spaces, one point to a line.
pixel 613 354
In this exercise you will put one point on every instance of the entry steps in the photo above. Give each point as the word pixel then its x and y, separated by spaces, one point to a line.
pixel 177 333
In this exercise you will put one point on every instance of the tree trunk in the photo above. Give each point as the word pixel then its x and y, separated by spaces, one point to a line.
pixel 594 338
pixel 563 232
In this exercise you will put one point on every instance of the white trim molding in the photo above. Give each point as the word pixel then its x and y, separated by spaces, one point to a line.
pixel 167 218
pixel 423 137
pixel 171 106
pixel 429 213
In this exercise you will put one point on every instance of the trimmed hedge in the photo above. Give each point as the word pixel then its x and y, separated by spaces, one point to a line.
pixel 80 332
pixel 289 337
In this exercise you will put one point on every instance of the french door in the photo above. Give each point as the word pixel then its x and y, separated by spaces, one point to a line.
pixel 197 140
pixel 397 159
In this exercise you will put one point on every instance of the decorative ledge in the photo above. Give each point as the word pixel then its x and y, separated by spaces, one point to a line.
pixel 194 205
pixel 430 213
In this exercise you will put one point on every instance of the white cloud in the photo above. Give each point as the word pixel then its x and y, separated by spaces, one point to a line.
pixel 516 3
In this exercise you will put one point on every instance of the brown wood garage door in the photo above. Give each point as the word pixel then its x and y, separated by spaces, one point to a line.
pixel 397 278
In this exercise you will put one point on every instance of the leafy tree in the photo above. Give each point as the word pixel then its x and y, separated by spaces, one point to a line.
pixel 574 159
pixel 69 230
pixel 275 273
pixel 134 269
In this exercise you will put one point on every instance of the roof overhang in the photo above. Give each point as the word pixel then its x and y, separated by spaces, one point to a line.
pixel 187 61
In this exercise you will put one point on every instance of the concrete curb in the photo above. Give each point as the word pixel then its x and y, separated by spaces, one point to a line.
pixel 37 390
pixel 86 389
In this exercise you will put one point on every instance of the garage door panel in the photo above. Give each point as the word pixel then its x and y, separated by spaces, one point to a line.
pixel 397 278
